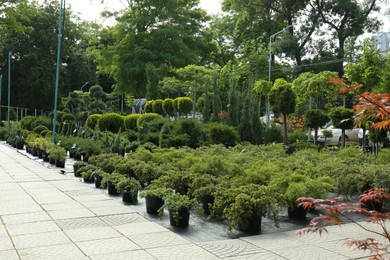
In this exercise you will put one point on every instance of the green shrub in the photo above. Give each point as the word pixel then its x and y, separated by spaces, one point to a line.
pixel 66 117
pixel 148 108
pixel 112 122
pixel 146 118
pixel 157 106
pixel 273 134
pixel 191 128
pixel 131 121
pixel 222 134
pixel 40 129
pixel 297 136
pixel 168 106
pixel 185 105
pixel 92 121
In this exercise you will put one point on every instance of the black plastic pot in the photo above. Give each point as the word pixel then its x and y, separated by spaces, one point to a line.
pixel 372 205
pixel 183 220
pixel 297 212
pixel 128 198
pixel 153 204
pixel 207 201
pixel 98 181
pixel 60 164
pixel 254 224
pixel 111 189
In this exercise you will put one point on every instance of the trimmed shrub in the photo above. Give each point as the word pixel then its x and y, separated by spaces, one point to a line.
pixel 112 122
pixel 40 129
pixel 222 134
pixel 168 106
pixel 175 104
pixel 185 105
pixel 92 121
pixel 131 121
pixel 191 128
pixel 148 108
pixel 67 117
pixel 157 106
pixel 30 122
pixel 146 118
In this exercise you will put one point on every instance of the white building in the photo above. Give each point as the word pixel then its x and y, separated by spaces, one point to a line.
pixel 382 42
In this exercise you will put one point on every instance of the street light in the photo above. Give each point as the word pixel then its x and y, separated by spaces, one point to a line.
pixel 57 74
pixel 269 67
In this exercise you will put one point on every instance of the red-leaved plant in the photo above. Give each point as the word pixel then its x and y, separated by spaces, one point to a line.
pixel 334 210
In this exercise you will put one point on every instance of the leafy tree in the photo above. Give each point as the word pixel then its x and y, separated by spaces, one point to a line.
pixel 342 118
pixel 282 99
pixel 346 19
pixel 168 33
pixel 315 118
pixel 157 106
pixel 168 106
pixel 184 105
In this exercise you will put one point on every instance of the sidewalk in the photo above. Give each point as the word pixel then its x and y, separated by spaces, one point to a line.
pixel 46 215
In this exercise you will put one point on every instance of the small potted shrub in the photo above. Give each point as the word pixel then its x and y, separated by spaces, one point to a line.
pixel 373 199
pixel 77 166
pixel 178 206
pixel 111 180
pixel 129 188
pixel 98 177
pixel 58 154
pixel 87 172
pixel 154 198
pixel 202 189
pixel 244 206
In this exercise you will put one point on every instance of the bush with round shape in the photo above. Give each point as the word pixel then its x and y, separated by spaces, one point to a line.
pixel 131 121
pixel 185 105
pixel 92 121
pixel 168 106
pixel 148 108
pixel 40 129
pixel 146 118
pixel 222 134
pixel 157 107
pixel 112 122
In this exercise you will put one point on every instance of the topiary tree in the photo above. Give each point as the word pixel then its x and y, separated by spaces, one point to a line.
pixel 282 100
pixel 175 105
pixel 112 122
pixel 342 118
pixel 157 107
pixel 185 105
pixel 146 118
pixel 168 106
pixel 131 121
pixel 97 92
pixel 92 121
pixel 315 118
pixel 148 108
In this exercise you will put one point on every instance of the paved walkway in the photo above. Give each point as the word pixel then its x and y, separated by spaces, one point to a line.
pixel 46 215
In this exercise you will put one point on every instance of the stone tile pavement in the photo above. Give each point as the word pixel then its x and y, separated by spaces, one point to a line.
pixel 46 215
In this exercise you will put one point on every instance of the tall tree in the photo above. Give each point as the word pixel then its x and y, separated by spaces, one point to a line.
pixel 346 19
pixel 167 33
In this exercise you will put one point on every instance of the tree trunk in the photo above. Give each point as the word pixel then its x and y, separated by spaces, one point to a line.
pixel 285 129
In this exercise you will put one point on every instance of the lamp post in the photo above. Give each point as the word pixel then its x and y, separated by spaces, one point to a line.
pixel 9 89
pixel 269 68
pixel 57 75
pixel 1 82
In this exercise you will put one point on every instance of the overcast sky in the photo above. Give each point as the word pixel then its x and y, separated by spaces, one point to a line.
pixel 90 9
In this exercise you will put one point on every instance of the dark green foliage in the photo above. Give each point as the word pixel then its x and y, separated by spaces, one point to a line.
pixel 67 117
pixel 111 122
pixel 220 133
pixel 30 122
pixel 185 105
pixel 315 118
pixel 342 117
pixel 39 129
pixel 273 134
pixel 131 121
pixel 157 107
pixel 191 128
pixel 145 118
pixel 148 108
pixel 168 107
pixel 92 121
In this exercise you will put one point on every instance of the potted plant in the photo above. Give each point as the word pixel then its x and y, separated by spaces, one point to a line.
pixel 373 199
pixel 58 154
pixel 129 188
pixel 244 206
pixel 77 166
pixel 154 198
pixel 111 180
pixel 201 189
pixel 178 206
pixel 98 177
pixel 297 185
pixel 87 173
